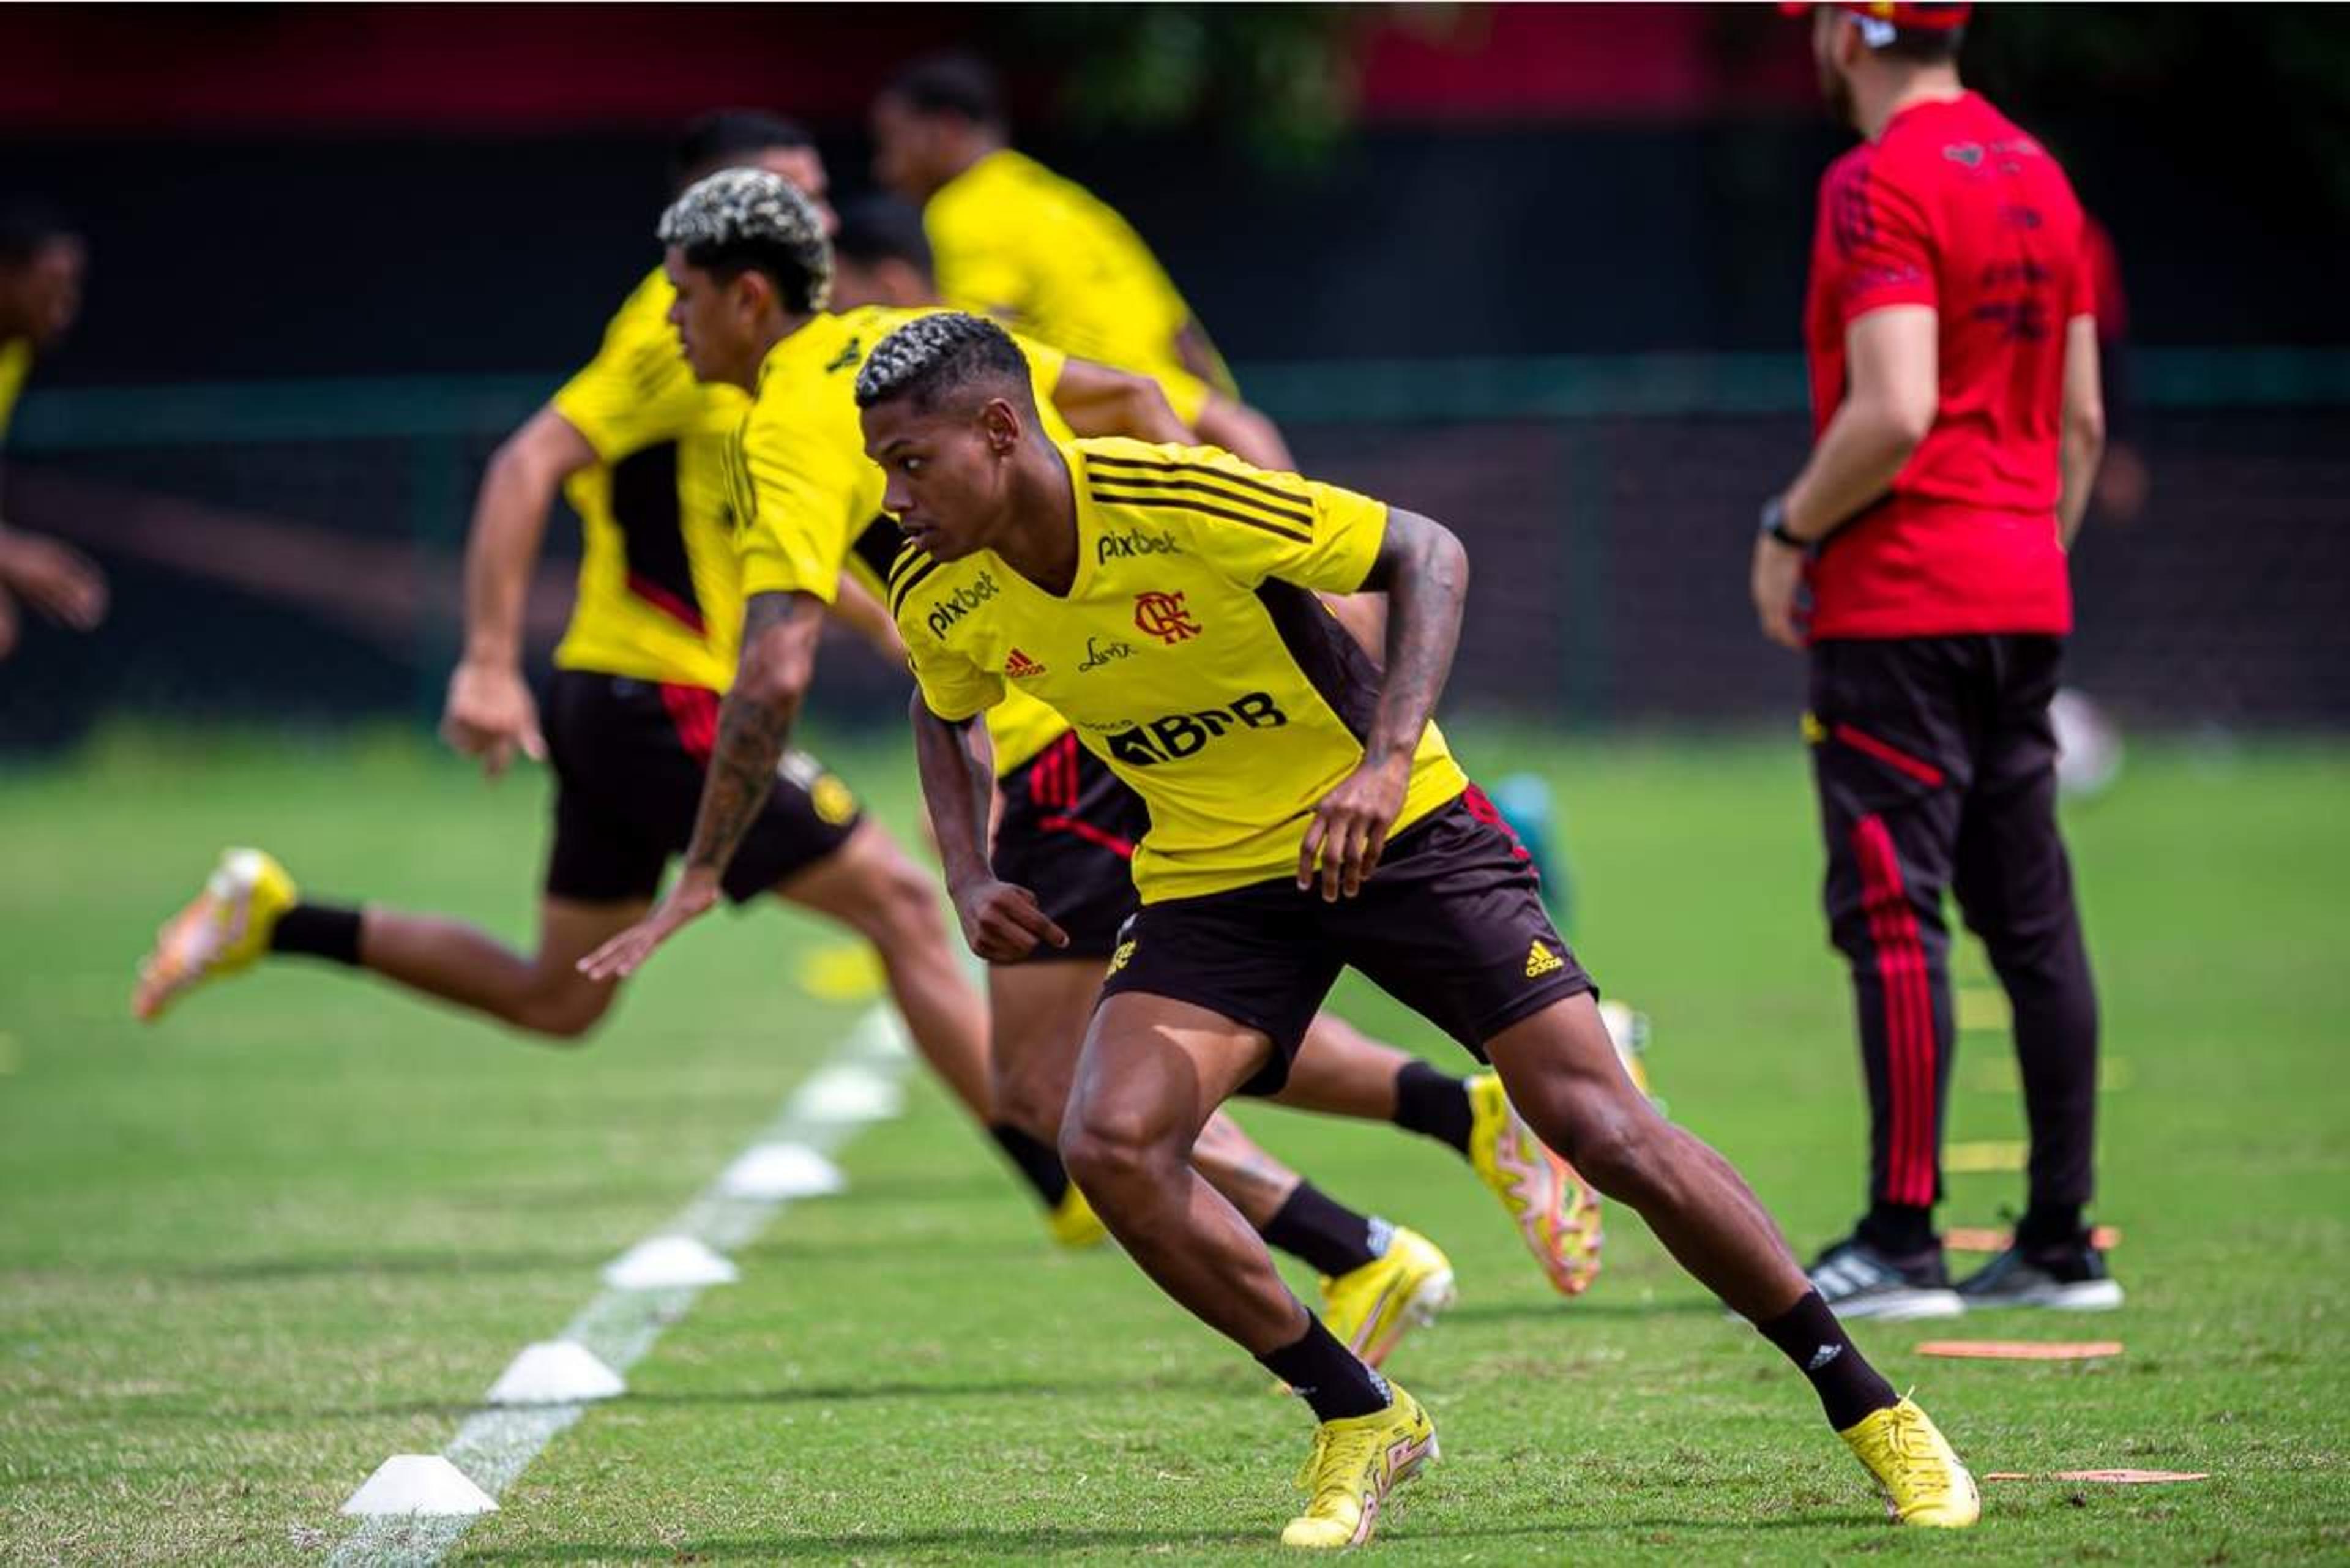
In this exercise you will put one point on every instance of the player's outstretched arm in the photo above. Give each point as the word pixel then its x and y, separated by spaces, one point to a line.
pixel 1001 923
pixel 2082 443
pixel 489 713
pixel 778 661
pixel 1424 572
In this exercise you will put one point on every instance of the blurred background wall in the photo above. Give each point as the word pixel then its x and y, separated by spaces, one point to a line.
pixel 1537 270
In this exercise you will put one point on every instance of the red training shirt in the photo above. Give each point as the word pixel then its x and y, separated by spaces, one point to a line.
pixel 1956 208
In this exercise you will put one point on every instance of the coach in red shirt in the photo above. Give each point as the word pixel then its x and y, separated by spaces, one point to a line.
pixel 1920 557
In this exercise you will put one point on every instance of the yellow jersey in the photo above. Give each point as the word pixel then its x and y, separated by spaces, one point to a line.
pixel 658 596
pixel 810 500
pixel 15 364
pixel 1190 653
pixel 1048 259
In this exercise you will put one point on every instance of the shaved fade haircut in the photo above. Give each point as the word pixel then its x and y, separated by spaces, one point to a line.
pixel 738 219
pixel 935 357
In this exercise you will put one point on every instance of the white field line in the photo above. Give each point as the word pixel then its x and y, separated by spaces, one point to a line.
pixel 496 1444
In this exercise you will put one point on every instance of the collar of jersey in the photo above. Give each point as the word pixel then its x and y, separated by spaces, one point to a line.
pixel 1088 525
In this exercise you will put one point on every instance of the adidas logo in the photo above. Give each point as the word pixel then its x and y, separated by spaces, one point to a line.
pixel 1020 667
pixel 1541 960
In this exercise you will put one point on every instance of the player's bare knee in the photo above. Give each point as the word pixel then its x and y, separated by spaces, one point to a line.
pixel 1110 1150
pixel 566 1015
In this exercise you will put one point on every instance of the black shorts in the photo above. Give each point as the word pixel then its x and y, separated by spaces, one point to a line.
pixel 1068 833
pixel 1452 925
pixel 629 759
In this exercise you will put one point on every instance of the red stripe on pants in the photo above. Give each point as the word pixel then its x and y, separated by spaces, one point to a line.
pixel 1910 1069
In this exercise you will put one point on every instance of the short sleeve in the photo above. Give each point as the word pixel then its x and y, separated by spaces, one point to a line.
pixel 2095 258
pixel 953 688
pixel 1882 248
pixel 1186 393
pixel 1256 523
pixel 638 391
pixel 800 500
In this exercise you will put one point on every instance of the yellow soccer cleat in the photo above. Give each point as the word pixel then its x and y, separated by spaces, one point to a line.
pixel 224 927
pixel 1923 1481
pixel 1370 1309
pixel 1073 1221
pixel 1555 1211
pixel 1355 1464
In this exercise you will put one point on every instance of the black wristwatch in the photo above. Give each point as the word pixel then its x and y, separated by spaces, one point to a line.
pixel 1774 523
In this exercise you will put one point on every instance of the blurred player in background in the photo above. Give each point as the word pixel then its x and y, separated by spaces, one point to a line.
pixel 1305 816
pixel 638 447
pixel 42 260
pixel 1955 390
pixel 1043 256
pixel 1065 829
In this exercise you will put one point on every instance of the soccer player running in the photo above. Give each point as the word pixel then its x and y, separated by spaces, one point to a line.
pixel 639 449
pixel 41 263
pixel 1043 255
pixel 1955 392
pixel 1305 816
pixel 750 266
pixel 1065 829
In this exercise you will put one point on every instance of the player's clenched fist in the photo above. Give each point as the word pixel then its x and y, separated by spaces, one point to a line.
pixel 1003 923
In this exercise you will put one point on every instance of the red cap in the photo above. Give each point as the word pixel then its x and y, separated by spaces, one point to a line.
pixel 1880 18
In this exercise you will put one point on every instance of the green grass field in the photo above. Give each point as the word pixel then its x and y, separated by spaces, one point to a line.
pixel 301 1227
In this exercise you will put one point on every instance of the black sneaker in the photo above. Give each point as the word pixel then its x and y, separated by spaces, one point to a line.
pixel 2070 1276
pixel 1857 1279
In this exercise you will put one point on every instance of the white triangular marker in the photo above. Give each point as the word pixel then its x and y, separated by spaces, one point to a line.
pixel 418 1484
pixel 666 1262
pixel 556 1372
pixel 772 1171
pixel 847 1094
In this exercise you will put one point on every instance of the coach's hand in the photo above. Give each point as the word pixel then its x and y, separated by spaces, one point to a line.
pixel 490 715
pixel 1777 581
pixel 1003 923
pixel 1350 828
pixel 693 895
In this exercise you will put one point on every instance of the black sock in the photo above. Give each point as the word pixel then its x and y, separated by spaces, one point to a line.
pixel 2050 1225
pixel 1035 1159
pixel 1849 1387
pixel 1899 1229
pixel 1327 1375
pixel 1433 1105
pixel 1327 1236
pixel 321 931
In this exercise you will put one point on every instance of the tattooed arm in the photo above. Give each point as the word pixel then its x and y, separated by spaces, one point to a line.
pixel 1424 572
pixel 779 638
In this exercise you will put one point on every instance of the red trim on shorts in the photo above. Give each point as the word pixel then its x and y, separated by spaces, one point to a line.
pixel 693 709
pixel 1121 848
pixel 1925 772
pixel 1481 807
pixel 668 603
pixel 1908 1016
